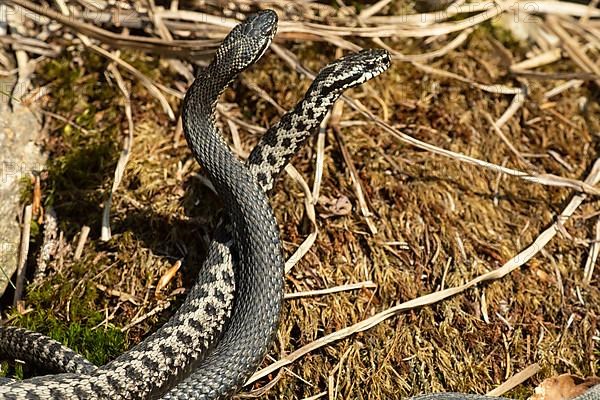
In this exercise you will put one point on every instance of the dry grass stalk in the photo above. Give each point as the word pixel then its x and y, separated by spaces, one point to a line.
pixel 316 396
pixel 539 60
pixel 500 89
pixel 573 49
pixel 181 48
pixel 356 182
pixel 83 236
pixel 151 86
pixel 424 57
pixel 23 252
pixel 160 307
pixel 397 30
pixel 117 293
pixel 331 290
pixel 515 380
pixel 123 157
pixel 513 149
pixel 571 84
pixel 524 6
pixel 541 179
pixel 310 214
pixel 320 157
pixel 590 262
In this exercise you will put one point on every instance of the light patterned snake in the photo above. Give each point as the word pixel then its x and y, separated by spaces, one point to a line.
pixel 214 342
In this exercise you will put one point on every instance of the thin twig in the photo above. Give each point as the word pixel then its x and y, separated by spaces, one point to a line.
pixel 23 252
pixel 160 307
pixel 590 262
pixel 331 290
pixel 507 142
pixel 515 380
pixel 356 182
pixel 105 233
pixel 85 231
pixel 310 213
pixel 320 158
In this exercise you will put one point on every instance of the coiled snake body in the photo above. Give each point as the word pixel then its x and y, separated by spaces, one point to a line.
pixel 179 360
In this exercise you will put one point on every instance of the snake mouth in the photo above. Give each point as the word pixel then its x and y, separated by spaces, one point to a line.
pixel 354 69
pixel 261 26
pixel 374 60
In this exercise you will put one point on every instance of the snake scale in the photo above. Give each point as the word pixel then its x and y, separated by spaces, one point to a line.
pixel 220 334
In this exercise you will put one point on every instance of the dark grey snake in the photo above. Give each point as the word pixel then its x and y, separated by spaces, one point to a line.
pixel 212 344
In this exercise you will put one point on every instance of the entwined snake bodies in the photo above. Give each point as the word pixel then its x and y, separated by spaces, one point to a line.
pixel 179 360
pixel 214 341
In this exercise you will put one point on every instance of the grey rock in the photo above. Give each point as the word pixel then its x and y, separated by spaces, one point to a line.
pixel 19 158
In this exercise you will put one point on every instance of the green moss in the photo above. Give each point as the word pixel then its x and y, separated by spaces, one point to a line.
pixel 35 229
pixel 4 368
pixel 502 34
pixel 26 190
pixel 84 331
pixel 97 345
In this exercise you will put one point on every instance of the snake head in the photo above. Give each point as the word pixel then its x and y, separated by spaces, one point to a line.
pixel 353 69
pixel 247 42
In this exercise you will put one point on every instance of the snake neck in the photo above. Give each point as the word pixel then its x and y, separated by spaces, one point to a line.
pixel 198 113
pixel 282 140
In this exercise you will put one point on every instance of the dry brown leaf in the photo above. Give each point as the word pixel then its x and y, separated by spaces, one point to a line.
pixel 166 278
pixel 563 387
pixel 335 207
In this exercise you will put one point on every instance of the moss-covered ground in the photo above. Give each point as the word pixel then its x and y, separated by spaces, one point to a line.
pixel 457 221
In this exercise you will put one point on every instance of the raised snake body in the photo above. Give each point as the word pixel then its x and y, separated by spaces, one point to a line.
pixel 209 348
pixel 182 344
